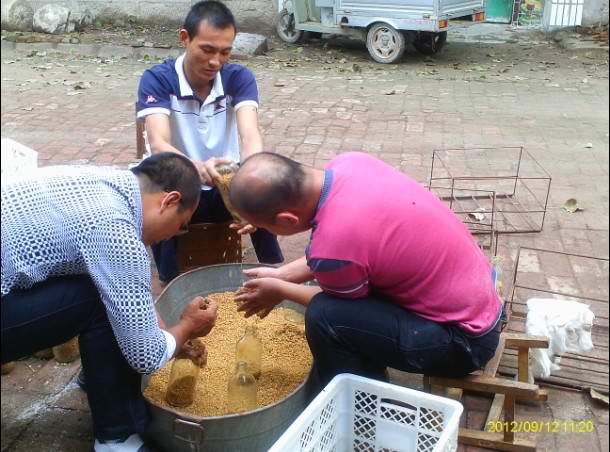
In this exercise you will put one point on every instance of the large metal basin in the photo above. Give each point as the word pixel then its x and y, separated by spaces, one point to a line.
pixel 254 431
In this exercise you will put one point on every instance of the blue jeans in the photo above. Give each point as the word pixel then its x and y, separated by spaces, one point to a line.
pixel 365 336
pixel 211 209
pixel 54 311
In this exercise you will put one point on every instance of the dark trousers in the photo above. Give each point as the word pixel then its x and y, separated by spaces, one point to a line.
pixel 365 336
pixel 211 209
pixel 54 311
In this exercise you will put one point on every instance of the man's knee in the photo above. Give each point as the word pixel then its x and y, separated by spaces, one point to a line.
pixel 323 313
pixel 314 315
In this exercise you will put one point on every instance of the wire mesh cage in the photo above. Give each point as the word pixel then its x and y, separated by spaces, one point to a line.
pixel 521 185
pixel 477 210
pixel 566 276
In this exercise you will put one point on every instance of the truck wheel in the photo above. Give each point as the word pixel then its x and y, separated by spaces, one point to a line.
pixel 285 28
pixel 430 43
pixel 384 43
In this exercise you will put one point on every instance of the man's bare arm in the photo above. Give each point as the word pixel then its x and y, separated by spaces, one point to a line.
pixel 249 134
pixel 158 132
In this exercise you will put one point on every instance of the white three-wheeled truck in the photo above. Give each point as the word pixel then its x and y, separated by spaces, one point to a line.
pixel 387 26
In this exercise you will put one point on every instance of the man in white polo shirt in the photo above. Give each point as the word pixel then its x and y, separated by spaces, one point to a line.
pixel 201 106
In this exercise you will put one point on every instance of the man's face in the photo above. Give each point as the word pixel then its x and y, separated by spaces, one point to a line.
pixel 207 51
pixel 168 222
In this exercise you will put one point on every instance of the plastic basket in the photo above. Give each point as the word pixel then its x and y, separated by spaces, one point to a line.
pixel 359 414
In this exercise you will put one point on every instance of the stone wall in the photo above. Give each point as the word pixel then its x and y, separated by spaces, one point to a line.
pixel 595 12
pixel 251 15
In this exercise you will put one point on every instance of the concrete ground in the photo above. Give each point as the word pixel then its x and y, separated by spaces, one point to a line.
pixel 323 98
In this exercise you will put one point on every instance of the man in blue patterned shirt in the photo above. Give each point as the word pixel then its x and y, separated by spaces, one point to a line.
pixel 74 262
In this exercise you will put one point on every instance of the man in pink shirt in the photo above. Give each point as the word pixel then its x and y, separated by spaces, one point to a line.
pixel 402 282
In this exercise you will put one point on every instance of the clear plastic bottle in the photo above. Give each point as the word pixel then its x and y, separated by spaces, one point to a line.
pixel 227 171
pixel 185 373
pixel 242 390
pixel 249 349
pixel 47 353
pixel 7 368
pixel 67 352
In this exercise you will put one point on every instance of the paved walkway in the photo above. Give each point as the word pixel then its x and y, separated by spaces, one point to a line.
pixel 322 99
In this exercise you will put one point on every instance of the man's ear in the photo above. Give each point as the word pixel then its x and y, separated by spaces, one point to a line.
pixel 184 37
pixel 287 219
pixel 170 200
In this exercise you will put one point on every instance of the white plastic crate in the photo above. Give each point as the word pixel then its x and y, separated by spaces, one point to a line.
pixel 359 414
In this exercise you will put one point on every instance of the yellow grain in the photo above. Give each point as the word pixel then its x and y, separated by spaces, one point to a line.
pixel 285 365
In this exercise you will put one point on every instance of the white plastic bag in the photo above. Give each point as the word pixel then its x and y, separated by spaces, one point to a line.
pixel 17 160
pixel 567 324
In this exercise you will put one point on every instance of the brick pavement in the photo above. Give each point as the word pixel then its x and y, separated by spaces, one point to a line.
pixel 321 101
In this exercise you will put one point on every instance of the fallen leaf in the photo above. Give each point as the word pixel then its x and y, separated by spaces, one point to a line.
pixel 571 206
pixel 82 85
pixel 598 396
pixel 101 141
pixel 478 214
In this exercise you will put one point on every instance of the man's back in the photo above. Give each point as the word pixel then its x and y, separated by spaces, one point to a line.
pixel 403 242
pixel 48 217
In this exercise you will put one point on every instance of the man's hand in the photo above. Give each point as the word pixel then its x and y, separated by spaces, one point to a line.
pixel 196 351
pixel 199 317
pixel 263 272
pixel 242 229
pixel 259 296
pixel 207 170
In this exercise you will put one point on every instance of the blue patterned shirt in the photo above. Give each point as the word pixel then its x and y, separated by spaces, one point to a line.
pixel 84 220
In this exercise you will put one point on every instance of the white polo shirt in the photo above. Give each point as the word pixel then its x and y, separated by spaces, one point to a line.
pixel 201 129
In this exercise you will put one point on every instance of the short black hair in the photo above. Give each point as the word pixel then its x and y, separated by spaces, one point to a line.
pixel 213 12
pixel 168 171
pixel 282 185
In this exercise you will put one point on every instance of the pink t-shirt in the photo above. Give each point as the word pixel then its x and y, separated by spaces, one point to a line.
pixel 377 230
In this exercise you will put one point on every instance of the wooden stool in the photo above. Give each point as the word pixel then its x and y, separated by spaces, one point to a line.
pixel 208 244
pixel 506 394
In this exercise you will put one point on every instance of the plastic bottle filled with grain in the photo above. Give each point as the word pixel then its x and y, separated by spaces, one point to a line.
pixel 47 353
pixel 7 368
pixel 67 352
pixel 249 349
pixel 242 390
pixel 185 373
pixel 223 183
